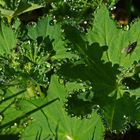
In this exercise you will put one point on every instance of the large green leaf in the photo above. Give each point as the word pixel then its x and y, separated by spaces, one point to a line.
pixel 7 39
pixel 91 67
pixel 57 124
pixel 69 128
pixel 99 66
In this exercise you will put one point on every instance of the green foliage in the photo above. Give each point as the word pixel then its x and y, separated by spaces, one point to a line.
pixel 12 8
pixel 58 81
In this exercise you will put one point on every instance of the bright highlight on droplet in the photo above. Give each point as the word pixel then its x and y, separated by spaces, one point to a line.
pixel 68 137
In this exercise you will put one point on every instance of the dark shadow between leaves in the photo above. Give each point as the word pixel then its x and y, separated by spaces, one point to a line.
pixel 78 107
pixel 91 67
pixel 9 137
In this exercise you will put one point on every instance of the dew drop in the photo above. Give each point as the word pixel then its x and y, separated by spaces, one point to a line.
pixel 1 118
pixel 122 132
pixel 51 23
pixel 68 137
pixel 85 22
pixel 15 124
pixel 114 131
pixel 88 116
pixel 124 117
pixel 25 124
pixel 70 95
pixel 98 106
pixel 72 115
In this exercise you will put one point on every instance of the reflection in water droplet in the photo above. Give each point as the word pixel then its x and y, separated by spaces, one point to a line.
pixel 68 137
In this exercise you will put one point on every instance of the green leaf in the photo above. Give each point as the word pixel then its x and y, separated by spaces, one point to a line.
pixel 134 35
pixel 16 8
pixel 119 113
pixel 93 68
pixel 57 124
pixel 24 7
pixel 101 32
pixel 7 39
pixel 47 27
pixel 99 66
pixel 8 109
pixel 2 2
pixel 135 92
pixel 105 32
pixel 69 128
pixel 6 13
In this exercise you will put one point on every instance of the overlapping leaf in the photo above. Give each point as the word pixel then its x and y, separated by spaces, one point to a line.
pixel 98 68
pixel 47 27
pixel 91 68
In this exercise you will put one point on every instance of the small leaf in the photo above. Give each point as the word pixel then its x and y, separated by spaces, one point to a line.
pixel 24 7
pixel 7 39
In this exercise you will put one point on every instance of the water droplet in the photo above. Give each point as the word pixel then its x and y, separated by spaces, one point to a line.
pixel 1 118
pixel 122 132
pixel 98 106
pixel 70 95
pixel 85 22
pixel 15 124
pixel 114 131
pixel 68 137
pixel 72 115
pixel 25 124
pixel 51 23
pixel 88 116
pixel 83 89
pixel 113 8
pixel 73 9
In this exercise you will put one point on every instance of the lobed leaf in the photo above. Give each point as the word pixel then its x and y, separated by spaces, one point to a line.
pixel 47 27
pixel 60 125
